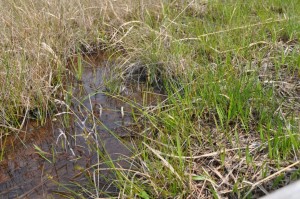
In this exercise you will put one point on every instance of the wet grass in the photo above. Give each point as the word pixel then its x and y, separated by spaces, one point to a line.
pixel 230 71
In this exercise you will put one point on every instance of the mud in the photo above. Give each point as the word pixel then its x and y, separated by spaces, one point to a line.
pixel 91 119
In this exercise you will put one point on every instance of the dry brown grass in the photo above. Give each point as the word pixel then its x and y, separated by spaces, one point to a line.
pixel 38 37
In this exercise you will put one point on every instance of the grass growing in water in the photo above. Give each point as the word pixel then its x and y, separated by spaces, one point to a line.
pixel 230 69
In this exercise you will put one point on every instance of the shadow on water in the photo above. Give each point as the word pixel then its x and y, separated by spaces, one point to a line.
pixel 68 144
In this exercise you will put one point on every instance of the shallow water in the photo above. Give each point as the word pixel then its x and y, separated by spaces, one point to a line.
pixel 25 174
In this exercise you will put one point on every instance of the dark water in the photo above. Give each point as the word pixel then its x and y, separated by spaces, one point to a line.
pixel 90 122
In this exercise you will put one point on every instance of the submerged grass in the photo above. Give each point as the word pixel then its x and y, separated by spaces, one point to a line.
pixel 230 70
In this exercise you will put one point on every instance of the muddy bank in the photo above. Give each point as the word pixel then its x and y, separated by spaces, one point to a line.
pixel 63 150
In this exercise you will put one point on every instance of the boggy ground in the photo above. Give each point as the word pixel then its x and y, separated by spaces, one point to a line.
pixel 48 157
pixel 228 125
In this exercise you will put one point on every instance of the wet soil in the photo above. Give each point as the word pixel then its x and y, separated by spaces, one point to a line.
pixel 92 119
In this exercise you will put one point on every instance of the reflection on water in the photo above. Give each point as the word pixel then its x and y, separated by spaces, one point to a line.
pixel 25 174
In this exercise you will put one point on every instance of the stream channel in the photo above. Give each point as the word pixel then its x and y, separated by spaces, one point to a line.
pixel 92 121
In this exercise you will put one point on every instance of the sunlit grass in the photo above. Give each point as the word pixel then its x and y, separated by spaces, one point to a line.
pixel 228 125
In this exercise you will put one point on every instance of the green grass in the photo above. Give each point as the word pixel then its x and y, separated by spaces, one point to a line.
pixel 222 68
pixel 230 71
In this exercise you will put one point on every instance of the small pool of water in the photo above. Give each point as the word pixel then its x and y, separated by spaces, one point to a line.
pixel 92 119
